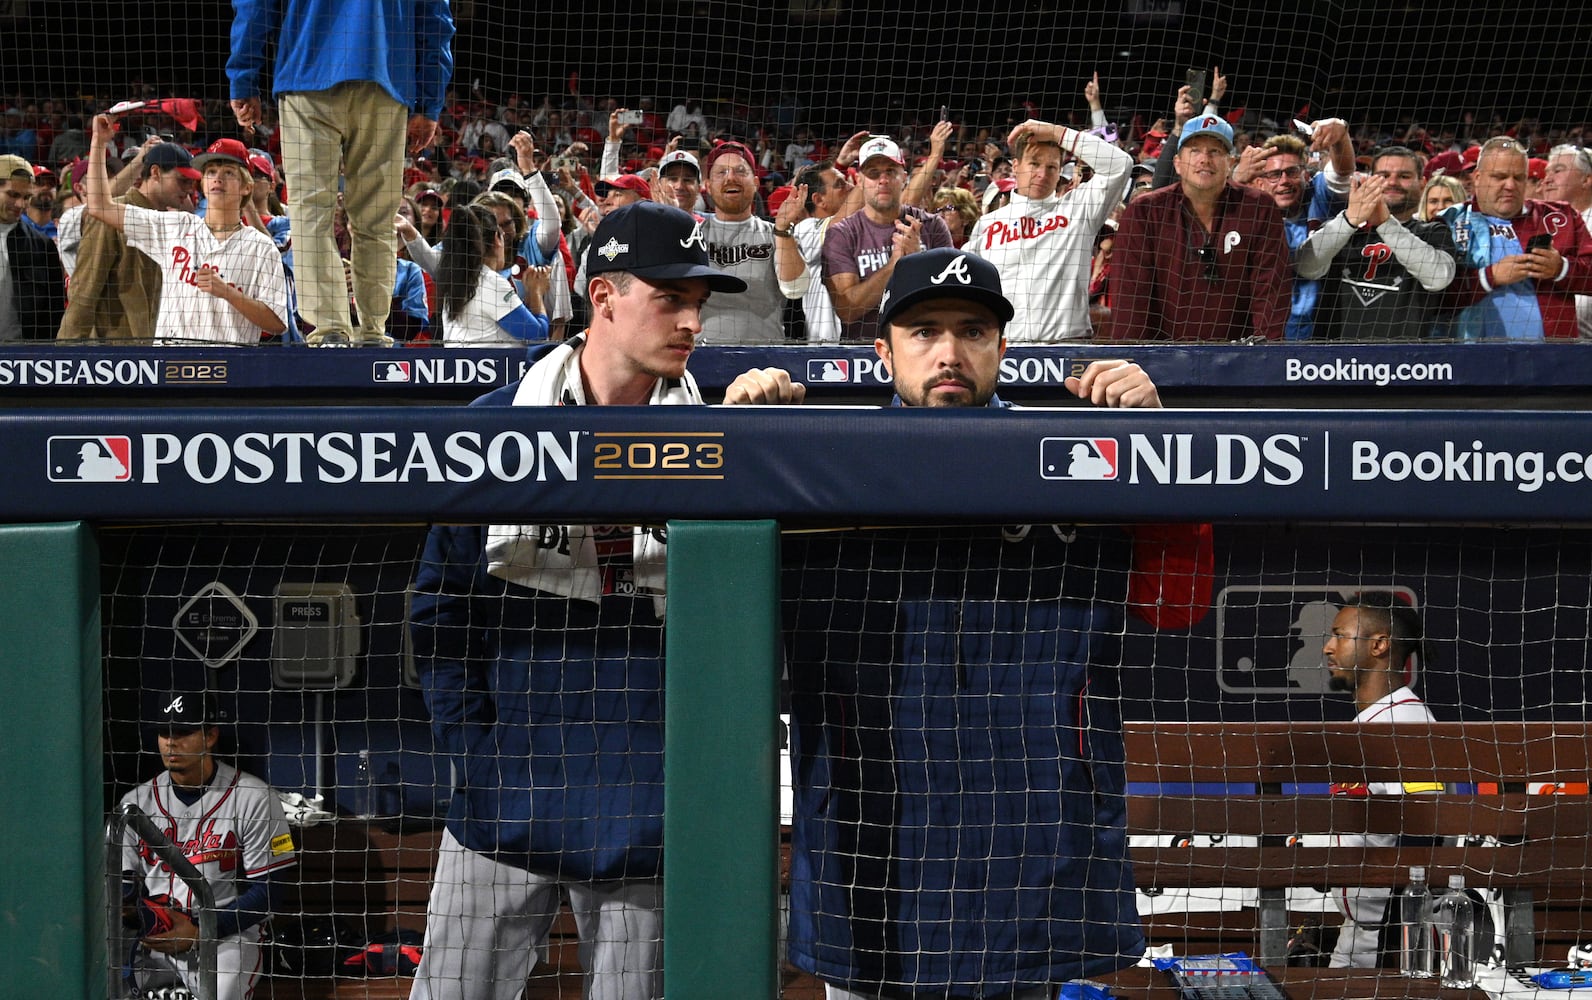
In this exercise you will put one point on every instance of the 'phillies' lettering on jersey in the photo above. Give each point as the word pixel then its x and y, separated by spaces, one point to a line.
pixel 728 255
pixel 181 258
pixel 1022 228
pixel 870 261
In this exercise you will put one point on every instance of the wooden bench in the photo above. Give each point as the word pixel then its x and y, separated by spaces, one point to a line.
pixel 1537 855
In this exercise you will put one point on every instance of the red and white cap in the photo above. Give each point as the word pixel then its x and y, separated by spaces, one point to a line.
pixel 679 156
pixel 880 145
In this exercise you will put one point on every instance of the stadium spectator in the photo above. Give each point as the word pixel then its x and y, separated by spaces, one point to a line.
pixel 543 242
pixel 1382 268
pixel 1439 193
pixel 680 181
pixel 1506 288
pixel 346 110
pixel 686 119
pixel 821 195
pixel 1043 241
pixel 744 245
pixel 222 282
pixel 1366 655
pixel 928 177
pixel 919 658
pixel 612 195
pixel 431 222
pixel 115 293
pixel 478 306
pixel 32 283
pixel 861 250
pixel 409 319
pixel 1279 168
pixel 1569 179
pixel 504 622
pixel 958 209
pixel 40 210
pixel 1203 259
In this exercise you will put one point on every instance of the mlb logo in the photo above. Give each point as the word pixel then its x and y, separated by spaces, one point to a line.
pixel 1269 638
pixel 1091 460
pixel 75 459
pixel 390 371
pixel 828 370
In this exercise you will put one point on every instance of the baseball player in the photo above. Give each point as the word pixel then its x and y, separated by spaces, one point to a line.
pixel 540 650
pixel 223 281
pixel 955 745
pixel 231 827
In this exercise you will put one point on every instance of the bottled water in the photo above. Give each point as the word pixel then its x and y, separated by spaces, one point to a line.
pixel 1454 920
pixel 364 797
pixel 1415 927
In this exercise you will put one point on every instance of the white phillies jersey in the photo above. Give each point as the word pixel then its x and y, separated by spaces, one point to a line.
pixel 1043 248
pixel 236 830
pixel 181 244
pixel 823 325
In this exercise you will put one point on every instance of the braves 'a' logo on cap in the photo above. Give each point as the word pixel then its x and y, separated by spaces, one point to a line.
pixel 82 459
pixel 696 237
pixel 175 706
pixel 1078 459
pixel 613 248
pixel 957 269
pixel 829 369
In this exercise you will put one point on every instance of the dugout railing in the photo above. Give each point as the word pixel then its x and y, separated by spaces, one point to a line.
pixel 725 479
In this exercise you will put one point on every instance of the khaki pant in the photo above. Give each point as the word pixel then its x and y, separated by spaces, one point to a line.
pixel 355 129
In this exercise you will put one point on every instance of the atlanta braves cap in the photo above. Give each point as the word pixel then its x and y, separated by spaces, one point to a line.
pixel 1212 125
pixel 944 273
pixel 170 156
pixel 185 711
pixel 652 240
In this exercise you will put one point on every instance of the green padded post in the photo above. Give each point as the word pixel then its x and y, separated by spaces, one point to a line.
pixel 51 886
pixel 720 869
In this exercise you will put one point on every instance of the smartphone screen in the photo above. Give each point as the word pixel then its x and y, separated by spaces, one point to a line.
pixel 1541 241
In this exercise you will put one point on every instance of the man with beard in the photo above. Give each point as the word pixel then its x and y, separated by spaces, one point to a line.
pixel 31 278
pixel 956 750
pixel 41 204
pixel 1278 168
pixel 744 245
pixel 1372 640
pixel 1569 180
pixel 115 292
pixel 1203 259
pixel 861 251
pixel 1383 268
pixel 1526 260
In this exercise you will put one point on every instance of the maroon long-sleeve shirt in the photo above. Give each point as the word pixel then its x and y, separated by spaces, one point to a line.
pixel 1172 279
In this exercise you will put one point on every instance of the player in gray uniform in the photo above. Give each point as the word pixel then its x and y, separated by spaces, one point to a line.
pixel 231 827
pixel 742 244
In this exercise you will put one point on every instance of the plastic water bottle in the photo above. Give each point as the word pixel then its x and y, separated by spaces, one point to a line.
pixel 1415 927
pixel 364 788
pixel 1455 921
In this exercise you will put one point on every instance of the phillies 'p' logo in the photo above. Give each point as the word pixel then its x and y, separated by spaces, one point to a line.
pixel 1375 254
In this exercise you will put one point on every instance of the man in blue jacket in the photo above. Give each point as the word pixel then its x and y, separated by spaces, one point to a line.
pixel 959 819
pixel 540 650
pixel 349 75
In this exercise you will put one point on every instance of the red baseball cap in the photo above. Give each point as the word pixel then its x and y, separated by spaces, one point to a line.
pixel 1447 162
pixel 1536 169
pixel 1467 159
pixel 725 149
pixel 628 182
pixel 223 151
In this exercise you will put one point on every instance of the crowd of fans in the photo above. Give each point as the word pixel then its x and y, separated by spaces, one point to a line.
pixel 1211 224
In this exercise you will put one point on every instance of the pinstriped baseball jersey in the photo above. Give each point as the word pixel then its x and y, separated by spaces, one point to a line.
pixel 236 830
pixel 182 244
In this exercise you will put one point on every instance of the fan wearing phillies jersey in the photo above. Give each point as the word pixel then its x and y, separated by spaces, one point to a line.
pixel 222 281
pixel 231 827
pixel 1365 653
pixel 1042 242
pixel 1383 268
pixel 1510 290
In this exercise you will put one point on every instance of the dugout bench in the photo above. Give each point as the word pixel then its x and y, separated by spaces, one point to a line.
pixel 1534 849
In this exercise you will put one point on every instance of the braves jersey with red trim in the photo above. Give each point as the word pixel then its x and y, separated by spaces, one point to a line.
pixel 1043 247
pixel 182 244
pixel 235 830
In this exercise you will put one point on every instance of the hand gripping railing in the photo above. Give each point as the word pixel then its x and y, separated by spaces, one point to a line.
pixel 204 897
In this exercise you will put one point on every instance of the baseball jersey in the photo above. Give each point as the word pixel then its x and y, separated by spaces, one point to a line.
pixel 476 325
pixel 181 244
pixel 1583 303
pixel 1527 310
pixel 1376 285
pixel 823 326
pixel 746 250
pixel 1321 204
pixel 236 830
pixel 1043 247
pixel 858 245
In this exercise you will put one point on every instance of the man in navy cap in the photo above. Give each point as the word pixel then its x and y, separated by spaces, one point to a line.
pixel 540 649
pixel 959 818
pixel 231 827
pixel 1202 259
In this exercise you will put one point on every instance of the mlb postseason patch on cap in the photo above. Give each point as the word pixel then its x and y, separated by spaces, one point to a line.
pixel 944 273
pixel 880 145
pixel 655 241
